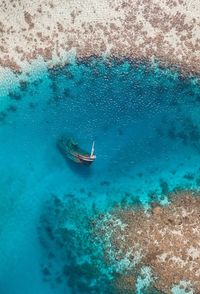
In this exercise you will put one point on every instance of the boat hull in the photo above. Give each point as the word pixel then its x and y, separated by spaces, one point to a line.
pixel 70 150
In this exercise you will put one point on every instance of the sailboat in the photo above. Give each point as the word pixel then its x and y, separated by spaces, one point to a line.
pixel 70 149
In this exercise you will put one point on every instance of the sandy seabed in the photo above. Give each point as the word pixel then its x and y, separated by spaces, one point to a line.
pixel 165 30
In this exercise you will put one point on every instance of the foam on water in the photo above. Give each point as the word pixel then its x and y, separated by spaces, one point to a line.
pixel 145 122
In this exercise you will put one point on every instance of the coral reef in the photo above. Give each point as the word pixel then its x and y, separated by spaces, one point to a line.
pixel 165 238
pixel 124 248
pixel 72 256
pixel 167 30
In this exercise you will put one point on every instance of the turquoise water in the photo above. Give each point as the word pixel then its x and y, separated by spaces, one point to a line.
pixel 145 122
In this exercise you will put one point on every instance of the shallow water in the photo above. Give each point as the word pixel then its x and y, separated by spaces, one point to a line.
pixel 145 122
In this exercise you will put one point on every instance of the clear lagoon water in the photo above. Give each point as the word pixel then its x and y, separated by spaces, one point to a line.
pixel 145 121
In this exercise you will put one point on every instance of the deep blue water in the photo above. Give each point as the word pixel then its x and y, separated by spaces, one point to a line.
pixel 145 122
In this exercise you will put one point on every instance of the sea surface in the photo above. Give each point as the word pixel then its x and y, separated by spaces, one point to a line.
pixel 145 121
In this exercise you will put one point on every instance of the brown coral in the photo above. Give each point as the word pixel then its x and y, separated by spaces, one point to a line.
pixel 167 236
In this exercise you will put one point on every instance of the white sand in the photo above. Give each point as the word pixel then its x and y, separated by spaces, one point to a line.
pixel 165 29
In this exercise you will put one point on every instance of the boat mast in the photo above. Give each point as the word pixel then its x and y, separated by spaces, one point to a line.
pixel 92 150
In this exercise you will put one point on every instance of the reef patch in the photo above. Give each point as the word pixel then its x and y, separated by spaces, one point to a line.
pixel 164 238
pixel 127 249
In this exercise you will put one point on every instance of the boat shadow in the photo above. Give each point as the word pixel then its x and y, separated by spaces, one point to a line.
pixel 80 169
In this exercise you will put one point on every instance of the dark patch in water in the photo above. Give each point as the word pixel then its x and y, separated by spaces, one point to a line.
pixel 120 132
pixel 46 271
pixel 49 232
pixel 12 108
pixel 80 82
pixel 105 183
pixel 37 82
pixel 189 176
pixel 69 75
pixel 164 187
pixel 51 255
pixel 69 195
pixel 82 190
pixel 153 195
pixel 140 175
pixel 173 172
pixel 23 85
pixel 15 96
pixel 90 194
pixel 66 92
pixel 32 105
pixel 198 182
pixel 2 116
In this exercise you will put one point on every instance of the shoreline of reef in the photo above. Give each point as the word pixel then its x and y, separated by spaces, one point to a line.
pixel 185 70
pixel 167 31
